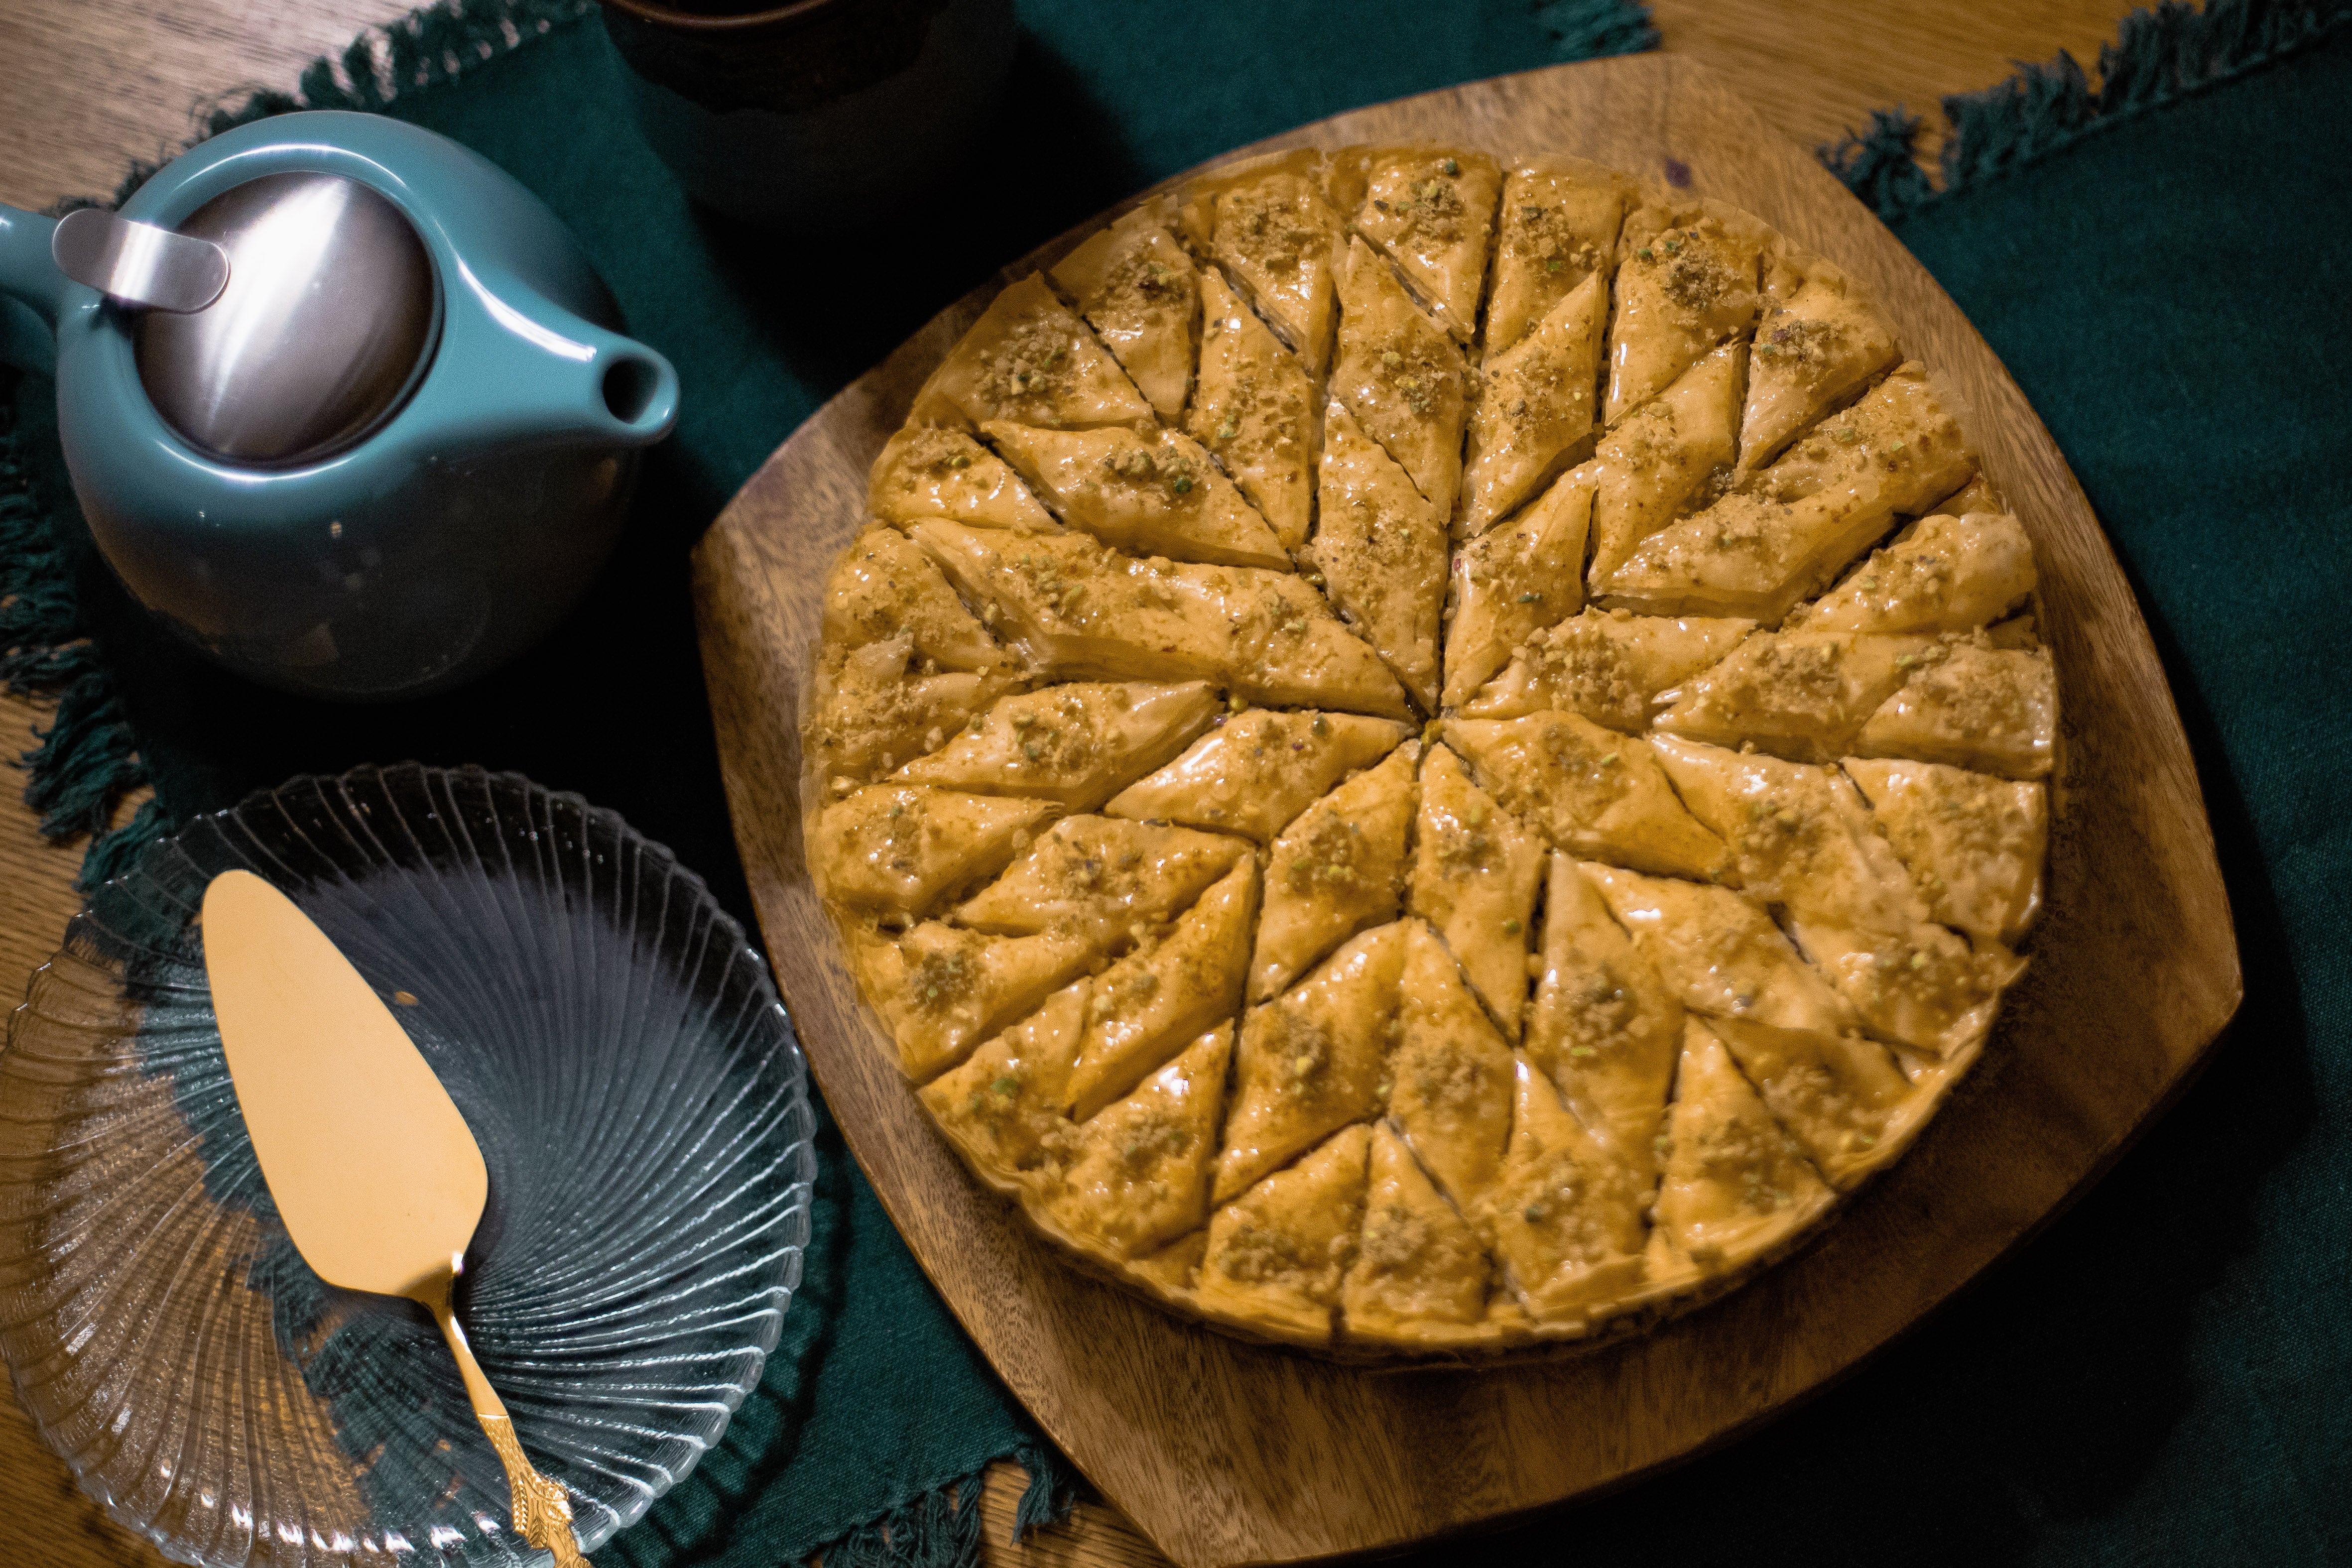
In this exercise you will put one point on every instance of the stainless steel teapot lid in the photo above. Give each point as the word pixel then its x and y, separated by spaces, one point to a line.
pixel 326 323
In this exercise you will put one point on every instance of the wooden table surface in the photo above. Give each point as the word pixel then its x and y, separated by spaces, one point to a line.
pixel 88 86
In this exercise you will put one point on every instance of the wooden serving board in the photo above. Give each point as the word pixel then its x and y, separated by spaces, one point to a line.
pixel 1225 1453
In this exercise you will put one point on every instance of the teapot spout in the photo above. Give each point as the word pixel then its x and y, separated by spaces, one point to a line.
pixel 538 372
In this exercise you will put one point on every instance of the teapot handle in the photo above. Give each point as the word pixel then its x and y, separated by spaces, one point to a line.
pixel 32 291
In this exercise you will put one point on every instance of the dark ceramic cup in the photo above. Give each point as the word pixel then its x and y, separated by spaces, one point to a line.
pixel 815 114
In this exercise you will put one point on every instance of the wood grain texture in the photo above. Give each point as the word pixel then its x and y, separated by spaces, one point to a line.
pixel 87 85
pixel 1227 1453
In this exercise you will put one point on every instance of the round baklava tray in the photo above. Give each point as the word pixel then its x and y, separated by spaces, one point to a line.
pixel 1424 755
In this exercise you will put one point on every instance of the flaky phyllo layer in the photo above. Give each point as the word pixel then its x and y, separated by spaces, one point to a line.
pixel 1420 754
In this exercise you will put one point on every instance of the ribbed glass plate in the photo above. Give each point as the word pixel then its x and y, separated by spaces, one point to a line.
pixel 617 1049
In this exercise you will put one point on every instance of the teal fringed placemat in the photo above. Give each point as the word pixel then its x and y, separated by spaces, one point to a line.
pixel 876 1417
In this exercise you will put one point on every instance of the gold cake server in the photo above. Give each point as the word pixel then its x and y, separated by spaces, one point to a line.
pixel 376 1175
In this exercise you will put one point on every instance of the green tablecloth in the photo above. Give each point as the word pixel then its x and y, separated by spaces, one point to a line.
pixel 2166 1376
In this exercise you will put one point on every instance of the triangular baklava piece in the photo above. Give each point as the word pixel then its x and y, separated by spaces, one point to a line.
pixel 1591 791
pixel 1432 207
pixel 1146 1006
pixel 1137 1173
pixel 1975 844
pixel 1030 360
pixel 1257 771
pixel 1267 225
pixel 1662 460
pixel 1474 873
pixel 1314 1059
pixel 1141 294
pixel 1756 552
pixel 1254 411
pixel 1944 574
pixel 1148 495
pixel 927 471
pixel 1381 550
pixel 1074 607
pixel 1614 667
pixel 1736 1184
pixel 1401 376
pixel 1687 281
pixel 1566 1209
pixel 1841 1097
pixel 1558 227
pixel 1100 877
pixel 1802 694
pixel 883 586
pixel 1076 745
pixel 899 849
pixel 1990 710
pixel 1800 835
pixel 1451 1077
pixel 1721 953
pixel 1513 580
pixel 1920 987
pixel 1337 869
pixel 1420 1278
pixel 1278 1253
pixel 1813 350
pixel 942 991
pixel 874 709
pixel 1004 1107
pixel 1535 410
pixel 1605 1028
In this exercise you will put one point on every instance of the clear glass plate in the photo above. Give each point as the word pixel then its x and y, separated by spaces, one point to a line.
pixel 620 1053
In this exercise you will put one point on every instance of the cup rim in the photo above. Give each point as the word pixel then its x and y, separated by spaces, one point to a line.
pixel 703 22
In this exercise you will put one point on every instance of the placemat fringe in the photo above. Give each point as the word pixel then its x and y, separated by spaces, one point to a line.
pixel 87 759
pixel 1052 1488
pixel 2159 54
pixel 941 1527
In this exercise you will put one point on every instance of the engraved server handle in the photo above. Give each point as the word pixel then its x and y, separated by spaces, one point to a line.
pixel 542 1513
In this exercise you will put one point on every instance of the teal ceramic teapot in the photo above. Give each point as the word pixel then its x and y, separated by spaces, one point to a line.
pixel 346 407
